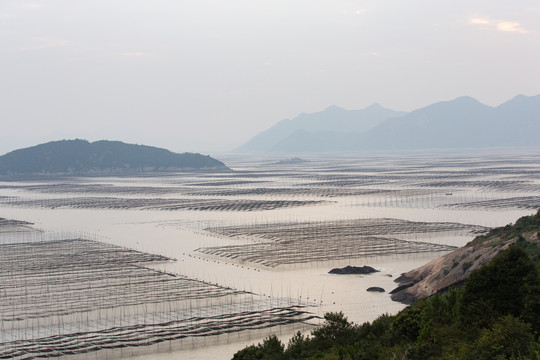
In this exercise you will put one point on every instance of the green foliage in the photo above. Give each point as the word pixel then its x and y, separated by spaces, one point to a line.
pixel 407 323
pixel 508 338
pixel 299 347
pixel 372 339
pixel 337 330
pixel 526 224
pixel 530 248
pixel 523 225
pixel 498 288
pixel 270 349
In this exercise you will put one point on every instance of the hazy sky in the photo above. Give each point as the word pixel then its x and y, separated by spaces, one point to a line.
pixel 205 76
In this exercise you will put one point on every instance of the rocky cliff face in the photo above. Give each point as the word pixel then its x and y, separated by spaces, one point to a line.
pixel 452 269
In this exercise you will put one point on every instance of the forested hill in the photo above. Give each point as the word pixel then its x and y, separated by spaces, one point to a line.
pixel 80 157
pixel 495 314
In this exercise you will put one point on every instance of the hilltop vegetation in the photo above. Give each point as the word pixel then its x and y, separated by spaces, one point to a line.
pixel 80 157
pixel 494 315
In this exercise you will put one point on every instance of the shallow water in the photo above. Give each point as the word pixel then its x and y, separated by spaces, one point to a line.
pixel 412 188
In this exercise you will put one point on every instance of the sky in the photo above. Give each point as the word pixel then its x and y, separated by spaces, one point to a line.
pixel 207 75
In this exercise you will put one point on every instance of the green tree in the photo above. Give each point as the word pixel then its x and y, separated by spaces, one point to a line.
pixel 299 347
pixel 407 324
pixel 508 338
pixel 337 330
pixel 499 288
pixel 271 349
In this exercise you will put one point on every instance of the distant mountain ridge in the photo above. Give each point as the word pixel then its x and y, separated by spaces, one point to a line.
pixel 460 123
pixel 328 120
pixel 80 157
pixel 463 122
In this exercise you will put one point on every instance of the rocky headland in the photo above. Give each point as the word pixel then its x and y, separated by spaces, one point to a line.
pixel 453 268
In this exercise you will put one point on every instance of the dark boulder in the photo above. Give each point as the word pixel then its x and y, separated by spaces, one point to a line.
pixel 353 270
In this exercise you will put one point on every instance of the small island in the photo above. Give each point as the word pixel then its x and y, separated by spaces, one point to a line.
pixel 291 161
pixel 80 157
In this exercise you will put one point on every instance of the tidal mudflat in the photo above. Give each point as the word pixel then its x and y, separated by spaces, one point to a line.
pixel 202 264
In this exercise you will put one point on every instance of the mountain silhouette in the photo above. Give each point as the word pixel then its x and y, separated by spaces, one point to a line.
pixel 460 123
pixel 332 119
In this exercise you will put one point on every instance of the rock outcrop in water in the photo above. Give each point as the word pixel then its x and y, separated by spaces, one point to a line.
pixel 353 270
pixel 80 157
